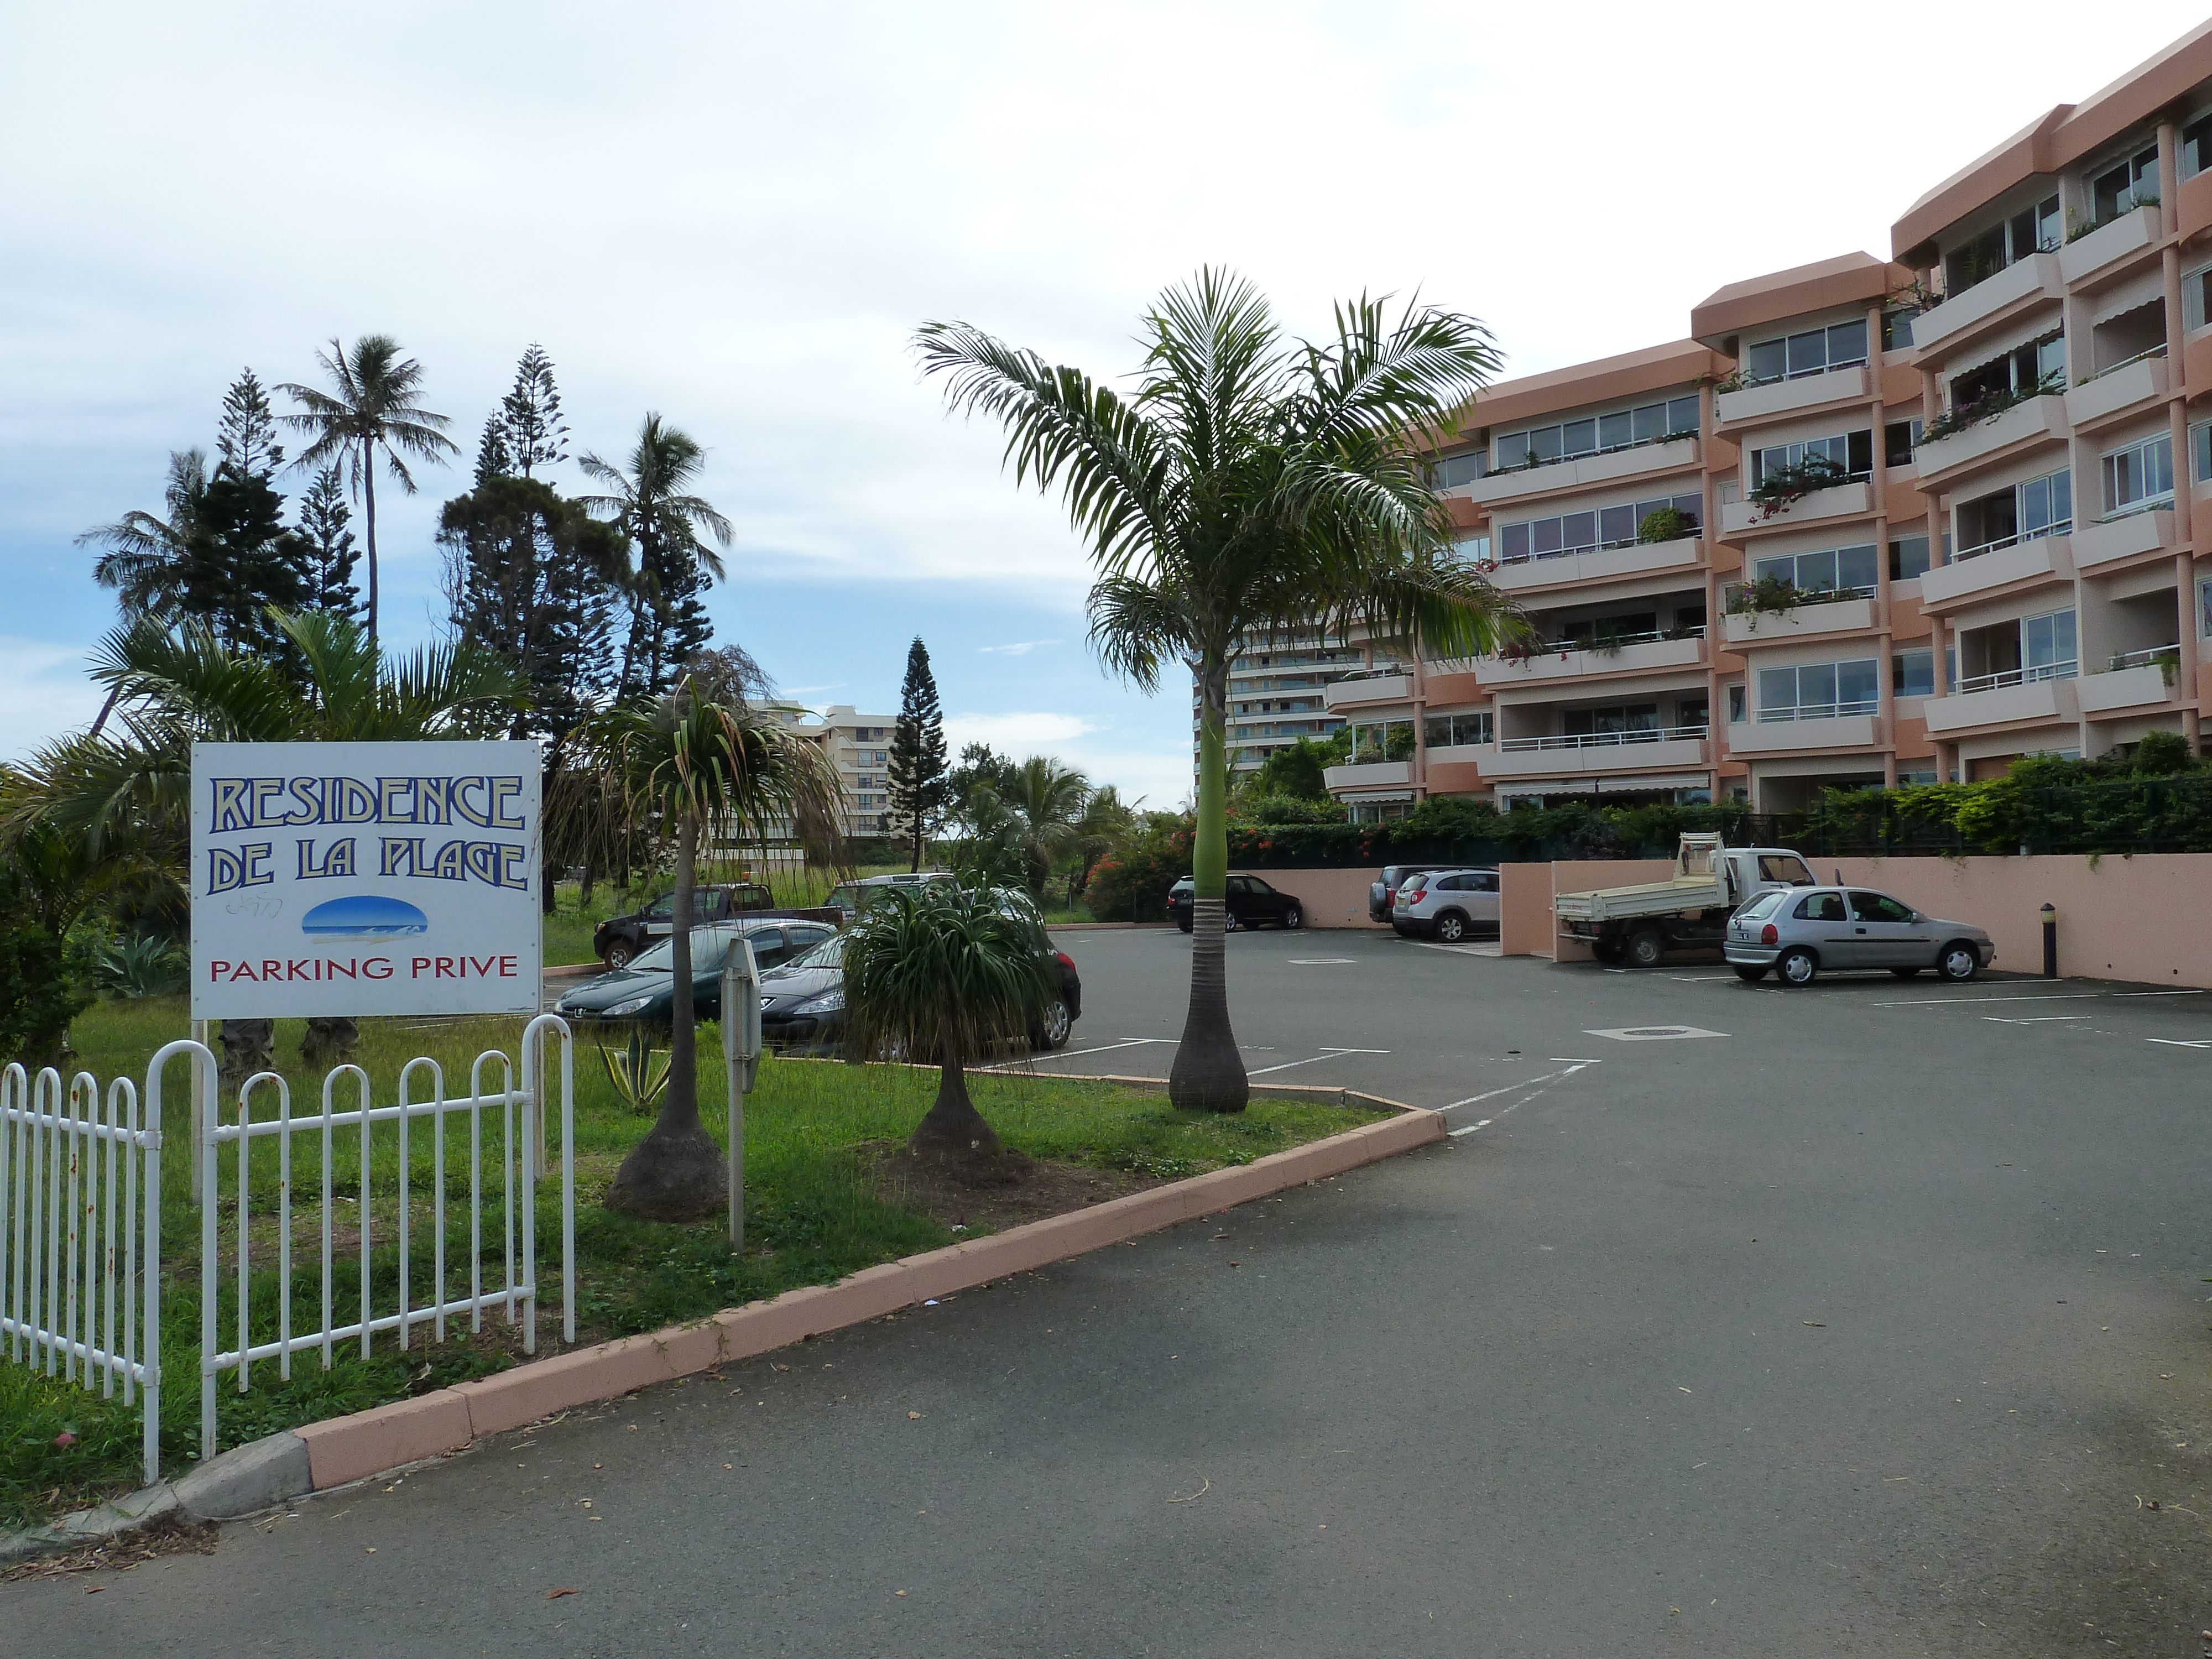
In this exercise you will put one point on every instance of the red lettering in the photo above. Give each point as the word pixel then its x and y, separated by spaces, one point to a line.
pixel 415 968
pixel 241 970
pixel 215 970
pixel 507 967
pixel 377 968
pixel 301 970
pixel 272 971
pixel 444 968
pixel 483 965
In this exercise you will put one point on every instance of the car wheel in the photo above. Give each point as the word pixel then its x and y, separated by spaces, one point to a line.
pixel 1959 962
pixel 1451 927
pixel 1293 918
pixel 1053 1028
pixel 1748 973
pixel 1647 948
pixel 1905 973
pixel 1186 925
pixel 619 953
pixel 1229 922
pixel 1606 950
pixel 1797 967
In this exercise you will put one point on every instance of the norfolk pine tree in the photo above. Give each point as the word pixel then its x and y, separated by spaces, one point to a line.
pixel 920 783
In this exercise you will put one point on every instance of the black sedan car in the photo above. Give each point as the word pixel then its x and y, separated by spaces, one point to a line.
pixel 1249 903
pixel 645 991
pixel 803 1003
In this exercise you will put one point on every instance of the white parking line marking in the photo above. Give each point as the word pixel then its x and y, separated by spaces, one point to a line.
pixel 1324 962
pixel 2031 1019
pixel 2182 1042
pixel 1535 1085
pixel 1699 979
pixel 1479 948
pixel 1654 1033
pixel 1332 1053
pixel 2042 996
pixel 1103 1047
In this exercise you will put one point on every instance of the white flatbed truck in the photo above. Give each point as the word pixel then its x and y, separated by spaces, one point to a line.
pixel 1640 925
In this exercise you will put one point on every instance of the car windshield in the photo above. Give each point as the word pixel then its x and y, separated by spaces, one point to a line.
pixel 1786 866
pixel 1762 907
pixel 830 953
pixel 709 947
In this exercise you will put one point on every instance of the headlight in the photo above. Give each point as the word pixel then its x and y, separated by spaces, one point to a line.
pixel 635 1005
pixel 829 1002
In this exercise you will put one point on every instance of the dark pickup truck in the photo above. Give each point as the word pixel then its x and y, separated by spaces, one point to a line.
pixel 619 938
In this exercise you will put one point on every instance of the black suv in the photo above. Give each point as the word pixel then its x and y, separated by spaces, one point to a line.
pixel 1249 903
pixel 617 940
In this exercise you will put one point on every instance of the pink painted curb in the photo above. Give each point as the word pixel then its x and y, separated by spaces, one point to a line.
pixel 368 1443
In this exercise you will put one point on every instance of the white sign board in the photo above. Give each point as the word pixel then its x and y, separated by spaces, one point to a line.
pixel 348 879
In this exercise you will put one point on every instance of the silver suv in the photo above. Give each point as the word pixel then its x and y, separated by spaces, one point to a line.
pixel 1446 905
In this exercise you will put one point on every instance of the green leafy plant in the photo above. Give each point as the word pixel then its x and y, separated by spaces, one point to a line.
pixel 1665 523
pixel 142 965
pixel 1785 486
pixel 1989 407
pixel 638 1070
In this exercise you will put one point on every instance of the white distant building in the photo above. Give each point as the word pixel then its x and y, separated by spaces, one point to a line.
pixel 859 748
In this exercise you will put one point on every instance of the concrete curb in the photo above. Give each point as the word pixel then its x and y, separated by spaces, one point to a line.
pixel 368 1443
pixel 242 1482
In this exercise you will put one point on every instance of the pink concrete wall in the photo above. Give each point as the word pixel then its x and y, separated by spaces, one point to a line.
pixel 1332 898
pixel 2142 919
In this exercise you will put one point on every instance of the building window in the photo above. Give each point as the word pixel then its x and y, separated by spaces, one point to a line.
pixel 1815 351
pixel 1846 571
pixel 2195 292
pixel 2204 609
pixel 1908 558
pixel 1912 673
pixel 2140 476
pixel 1460 731
pixel 1454 471
pixel 1377 811
pixel 2031 230
pixel 2123 188
pixel 2196 146
pixel 1471 550
pixel 1583 532
pixel 1898 439
pixel 1917 775
pixel 1851 451
pixel 1897 329
pixel 2046 647
pixel 1622 429
pixel 1819 691
pixel 2038 367
pixel 2041 506
pixel 1736 705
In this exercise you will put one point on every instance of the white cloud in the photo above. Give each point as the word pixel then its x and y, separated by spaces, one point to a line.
pixel 43 691
pixel 1018 734
pixel 1019 649
pixel 1157 772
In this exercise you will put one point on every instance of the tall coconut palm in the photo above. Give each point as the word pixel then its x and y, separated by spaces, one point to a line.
pixel 370 407
pixel 714 771
pixel 123 796
pixel 1047 800
pixel 937 971
pixel 651 498
pixel 1249 481
pixel 149 559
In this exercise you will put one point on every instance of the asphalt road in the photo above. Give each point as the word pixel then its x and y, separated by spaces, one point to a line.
pixel 1872 1322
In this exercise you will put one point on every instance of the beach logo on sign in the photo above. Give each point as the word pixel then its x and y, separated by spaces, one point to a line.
pixel 364 916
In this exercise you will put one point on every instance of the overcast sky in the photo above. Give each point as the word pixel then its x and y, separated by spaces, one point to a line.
pixel 736 213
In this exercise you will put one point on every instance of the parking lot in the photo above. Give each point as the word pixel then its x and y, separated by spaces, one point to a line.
pixel 1866 1319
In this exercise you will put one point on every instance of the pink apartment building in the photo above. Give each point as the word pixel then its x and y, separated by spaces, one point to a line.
pixel 1872 522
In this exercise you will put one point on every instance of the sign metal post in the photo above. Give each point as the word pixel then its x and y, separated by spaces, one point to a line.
pixel 741 1050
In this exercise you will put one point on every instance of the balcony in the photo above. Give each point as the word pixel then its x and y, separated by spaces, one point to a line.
pixel 2123 537
pixel 2086 255
pixel 1360 689
pixel 1602 466
pixel 1563 659
pixel 2030 418
pixel 1766 736
pixel 1368 775
pixel 1976 571
pixel 2004 700
pixel 1598 564
pixel 1949 323
pixel 1841 500
pixel 1812 619
pixel 1461 754
pixel 2137 680
pixel 1790 397
pixel 1597 751
pixel 2118 390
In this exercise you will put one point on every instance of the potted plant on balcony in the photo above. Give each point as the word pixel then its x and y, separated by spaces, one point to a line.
pixel 1768 596
pixel 1665 523
pixel 1784 487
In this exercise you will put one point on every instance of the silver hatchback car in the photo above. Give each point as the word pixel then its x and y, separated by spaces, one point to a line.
pixel 1801 932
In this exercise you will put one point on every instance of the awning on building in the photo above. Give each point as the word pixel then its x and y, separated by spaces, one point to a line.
pixel 1603 786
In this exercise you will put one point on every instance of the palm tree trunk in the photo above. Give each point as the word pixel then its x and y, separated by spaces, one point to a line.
pixel 953 1133
pixel 676 1172
pixel 369 499
pixel 1208 1074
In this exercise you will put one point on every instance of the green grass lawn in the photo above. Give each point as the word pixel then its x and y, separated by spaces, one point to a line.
pixel 813 1215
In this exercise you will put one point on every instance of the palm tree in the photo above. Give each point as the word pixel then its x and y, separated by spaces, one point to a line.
pixel 123 798
pixel 1047 801
pixel 1107 819
pixel 150 562
pixel 1249 482
pixel 937 971
pixel 371 406
pixel 652 501
pixel 715 770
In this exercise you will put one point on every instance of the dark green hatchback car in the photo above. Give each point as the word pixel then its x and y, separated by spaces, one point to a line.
pixel 645 991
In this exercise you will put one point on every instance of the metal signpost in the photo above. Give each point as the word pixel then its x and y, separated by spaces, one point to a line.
pixel 741 1051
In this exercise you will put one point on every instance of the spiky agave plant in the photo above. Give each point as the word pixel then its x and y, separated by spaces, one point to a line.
pixel 937 972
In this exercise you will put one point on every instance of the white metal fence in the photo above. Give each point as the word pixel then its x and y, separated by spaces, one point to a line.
pixel 80 1236
pixel 81 1216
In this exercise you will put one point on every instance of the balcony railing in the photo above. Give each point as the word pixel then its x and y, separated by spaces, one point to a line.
pixel 1737 601
pixel 1602 644
pixel 2166 657
pixel 1819 711
pixel 2147 504
pixel 1535 461
pixel 2056 527
pixel 1379 671
pixel 2049 671
pixel 2158 351
pixel 1745 382
pixel 1605 739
